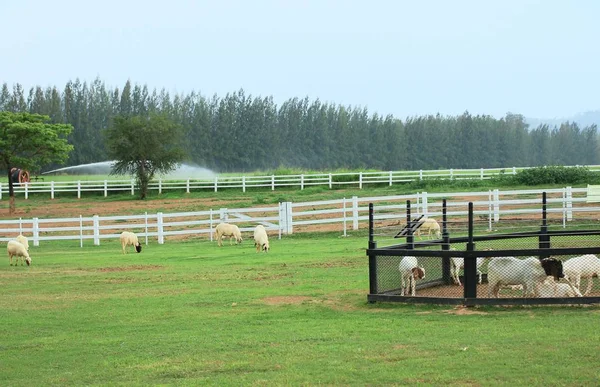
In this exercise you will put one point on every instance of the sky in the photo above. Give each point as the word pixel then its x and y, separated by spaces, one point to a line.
pixel 405 58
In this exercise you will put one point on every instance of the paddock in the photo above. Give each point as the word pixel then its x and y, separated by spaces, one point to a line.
pixel 435 255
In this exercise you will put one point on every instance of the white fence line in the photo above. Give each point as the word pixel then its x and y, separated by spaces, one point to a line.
pixel 357 179
pixel 565 204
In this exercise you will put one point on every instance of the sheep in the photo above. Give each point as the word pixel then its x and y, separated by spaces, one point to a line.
pixel 528 272
pixel 228 230
pixel 584 266
pixel 129 238
pixel 429 225
pixel 410 272
pixel 457 263
pixel 549 288
pixel 261 239
pixel 16 249
pixel 23 240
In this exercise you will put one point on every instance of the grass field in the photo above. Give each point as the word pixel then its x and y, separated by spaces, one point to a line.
pixel 191 313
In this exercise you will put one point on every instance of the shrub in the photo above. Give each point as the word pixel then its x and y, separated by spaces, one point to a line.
pixel 555 174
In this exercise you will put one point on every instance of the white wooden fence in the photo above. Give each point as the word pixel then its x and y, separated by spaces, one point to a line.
pixel 565 204
pixel 302 181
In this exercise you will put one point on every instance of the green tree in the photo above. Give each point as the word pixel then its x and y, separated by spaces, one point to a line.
pixel 144 146
pixel 28 141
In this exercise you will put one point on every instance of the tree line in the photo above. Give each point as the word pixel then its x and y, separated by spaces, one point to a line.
pixel 241 132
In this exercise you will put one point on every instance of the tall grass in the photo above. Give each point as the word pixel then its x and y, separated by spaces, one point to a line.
pixel 190 313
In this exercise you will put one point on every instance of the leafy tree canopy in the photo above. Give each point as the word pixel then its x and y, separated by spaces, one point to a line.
pixel 143 146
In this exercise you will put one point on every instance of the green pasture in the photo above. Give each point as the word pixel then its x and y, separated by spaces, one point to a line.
pixel 191 313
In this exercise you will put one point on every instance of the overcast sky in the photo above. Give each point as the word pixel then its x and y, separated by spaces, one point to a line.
pixel 538 58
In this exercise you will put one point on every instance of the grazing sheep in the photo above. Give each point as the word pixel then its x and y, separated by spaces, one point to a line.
pixel 457 263
pixel 431 226
pixel 261 239
pixel 16 249
pixel 129 238
pixel 529 272
pixel 23 240
pixel 410 272
pixel 550 288
pixel 584 266
pixel 228 230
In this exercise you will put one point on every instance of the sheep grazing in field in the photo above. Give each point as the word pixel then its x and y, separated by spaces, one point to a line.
pixel 261 239
pixel 431 226
pixel 528 272
pixel 228 230
pixel 16 249
pixel 129 238
pixel 584 266
pixel 550 289
pixel 23 240
pixel 410 272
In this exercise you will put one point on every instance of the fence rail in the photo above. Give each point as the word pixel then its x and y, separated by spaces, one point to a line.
pixel 302 181
pixel 491 207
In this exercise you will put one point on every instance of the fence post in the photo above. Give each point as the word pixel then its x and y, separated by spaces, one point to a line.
pixel 96 221
pixel 470 290
pixel 223 214
pixel 360 180
pixel 243 183
pixel 272 182
pixel 210 224
pixel 78 189
pixel 132 187
pixel 105 188
pixel 21 226
pixel 159 226
pixel 146 226
pixel 544 238
pixel 52 189
pixel 301 181
pixel 569 203
pixel 36 232
pixel 26 191
pixel 187 186
pixel 355 212
pixel 372 257
pixel 490 211
pixel 451 174
pixel 514 170
pixel 496 205
pixel 481 174
pixel 0 191
pixel 391 178
pixel 330 182
pixel 80 231
pixel 420 174
pixel 159 186
pixel 289 218
pixel 446 277
pixel 424 207
pixel 344 209
pixel 216 182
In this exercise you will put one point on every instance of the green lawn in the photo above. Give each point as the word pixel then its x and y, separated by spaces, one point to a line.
pixel 190 313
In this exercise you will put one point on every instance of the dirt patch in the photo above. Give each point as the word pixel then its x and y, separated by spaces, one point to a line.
pixel 130 268
pixel 285 300
pixel 462 310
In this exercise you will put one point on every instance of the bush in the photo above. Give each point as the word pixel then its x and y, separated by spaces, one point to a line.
pixel 556 174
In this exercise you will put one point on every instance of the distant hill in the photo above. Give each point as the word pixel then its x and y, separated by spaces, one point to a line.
pixel 582 119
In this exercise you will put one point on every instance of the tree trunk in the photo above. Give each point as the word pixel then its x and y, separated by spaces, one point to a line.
pixel 11 193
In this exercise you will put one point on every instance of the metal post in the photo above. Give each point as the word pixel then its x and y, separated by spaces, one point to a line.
pixel 470 290
pixel 410 240
pixel 544 238
pixel 372 257
pixel 446 277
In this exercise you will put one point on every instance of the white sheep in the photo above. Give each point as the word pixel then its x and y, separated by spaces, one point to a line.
pixel 23 240
pixel 429 225
pixel 550 288
pixel 529 273
pixel 410 272
pixel 584 266
pixel 16 249
pixel 128 238
pixel 261 239
pixel 228 230
pixel 457 263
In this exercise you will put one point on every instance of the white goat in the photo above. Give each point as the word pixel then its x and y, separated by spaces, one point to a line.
pixel 410 272
pixel 529 272
pixel 228 230
pixel 457 263
pixel 16 249
pixel 128 238
pixel 261 239
pixel 431 226
pixel 22 239
pixel 550 288
pixel 584 266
